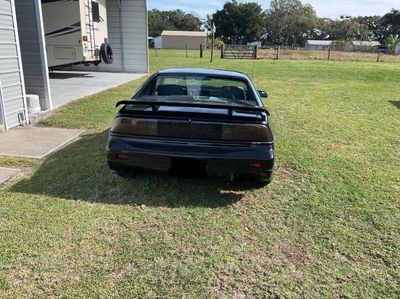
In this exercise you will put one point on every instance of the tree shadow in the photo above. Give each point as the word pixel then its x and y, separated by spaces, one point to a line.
pixel 80 172
pixel 396 104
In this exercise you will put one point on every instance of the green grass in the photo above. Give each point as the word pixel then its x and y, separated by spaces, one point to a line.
pixel 13 162
pixel 328 226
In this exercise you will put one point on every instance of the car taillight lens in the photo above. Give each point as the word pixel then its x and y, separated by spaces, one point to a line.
pixel 247 132
pixel 126 125
pixel 193 129
pixel 255 165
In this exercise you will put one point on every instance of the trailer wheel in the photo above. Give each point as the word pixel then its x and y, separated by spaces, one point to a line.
pixel 106 53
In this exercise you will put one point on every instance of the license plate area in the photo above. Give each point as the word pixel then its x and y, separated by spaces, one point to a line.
pixel 188 167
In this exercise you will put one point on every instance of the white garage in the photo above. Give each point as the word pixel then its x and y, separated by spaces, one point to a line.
pixel 24 55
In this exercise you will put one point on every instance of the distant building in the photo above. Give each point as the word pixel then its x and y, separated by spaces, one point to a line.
pixel 158 42
pixel 397 49
pixel 363 46
pixel 151 41
pixel 256 43
pixel 181 39
pixel 318 45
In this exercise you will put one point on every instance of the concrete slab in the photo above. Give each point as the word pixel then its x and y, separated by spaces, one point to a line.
pixel 35 142
pixel 67 86
pixel 7 174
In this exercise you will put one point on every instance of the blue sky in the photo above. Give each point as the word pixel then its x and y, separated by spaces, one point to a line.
pixel 324 8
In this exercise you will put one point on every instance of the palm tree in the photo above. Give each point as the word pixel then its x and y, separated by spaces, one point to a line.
pixel 391 42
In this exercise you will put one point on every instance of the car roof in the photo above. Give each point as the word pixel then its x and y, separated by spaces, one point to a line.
pixel 203 71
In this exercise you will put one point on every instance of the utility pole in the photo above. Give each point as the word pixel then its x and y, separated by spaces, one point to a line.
pixel 213 29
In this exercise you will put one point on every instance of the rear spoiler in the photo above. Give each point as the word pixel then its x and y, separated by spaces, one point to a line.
pixel 156 104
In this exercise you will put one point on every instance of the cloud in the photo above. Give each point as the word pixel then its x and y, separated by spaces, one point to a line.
pixel 325 8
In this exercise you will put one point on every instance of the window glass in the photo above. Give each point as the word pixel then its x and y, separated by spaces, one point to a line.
pixel 95 12
pixel 201 88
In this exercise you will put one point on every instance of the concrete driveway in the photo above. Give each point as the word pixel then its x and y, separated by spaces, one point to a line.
pixel 67 86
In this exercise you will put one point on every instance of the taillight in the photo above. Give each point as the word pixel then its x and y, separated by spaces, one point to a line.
pixel 255 165
pixel 126 125
pixel 190 129
pixel 122 157
pixel 247 132
pixel 84 38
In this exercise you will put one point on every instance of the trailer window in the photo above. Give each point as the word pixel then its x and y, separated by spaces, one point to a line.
pixel 95 12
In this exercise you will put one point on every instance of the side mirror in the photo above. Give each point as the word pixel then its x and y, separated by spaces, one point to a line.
pixel 263 94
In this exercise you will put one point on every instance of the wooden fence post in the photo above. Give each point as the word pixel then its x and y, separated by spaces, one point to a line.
pixel 329 54
pixel 222 51
pixel 255 52
pixel 186 51
pixel 201 50
pixel 278 53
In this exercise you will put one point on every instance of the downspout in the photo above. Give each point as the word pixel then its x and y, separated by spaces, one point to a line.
pixel 3 108
pixel 147 36
pixel 43 56
pixel 121 38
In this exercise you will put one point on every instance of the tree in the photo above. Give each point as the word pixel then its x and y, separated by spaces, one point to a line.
pixel 391 42
pixel 391 23
pixel 376 30
pixel 172 20
pixel 290 22
pixel 347 28
pixel 239 22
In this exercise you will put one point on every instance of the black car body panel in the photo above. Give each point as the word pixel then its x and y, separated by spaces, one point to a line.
pixel 229 137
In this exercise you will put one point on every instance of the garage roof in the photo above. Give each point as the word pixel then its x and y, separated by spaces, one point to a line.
pixel 183 33
pixel 319 42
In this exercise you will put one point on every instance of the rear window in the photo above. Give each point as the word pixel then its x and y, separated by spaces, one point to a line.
pixel 206 88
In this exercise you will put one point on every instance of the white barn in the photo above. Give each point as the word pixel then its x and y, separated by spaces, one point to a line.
pixel 318 45
pixel 23 59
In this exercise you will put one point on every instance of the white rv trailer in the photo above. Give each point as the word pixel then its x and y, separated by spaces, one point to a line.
pixel 76 32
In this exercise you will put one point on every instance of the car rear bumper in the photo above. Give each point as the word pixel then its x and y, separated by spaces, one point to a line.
pixel 221 159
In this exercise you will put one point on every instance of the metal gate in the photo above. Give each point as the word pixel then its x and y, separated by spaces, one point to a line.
pixel 12 88
pixel 239 52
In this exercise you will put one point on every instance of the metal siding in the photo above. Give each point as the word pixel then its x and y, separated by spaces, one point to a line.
pixel 33 51
pixel 10 72
pixel 181 42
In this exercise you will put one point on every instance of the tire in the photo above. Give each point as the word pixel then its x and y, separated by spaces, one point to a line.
pixel 106 53
pixel 262 181
pixel 257 181
pixel 129 172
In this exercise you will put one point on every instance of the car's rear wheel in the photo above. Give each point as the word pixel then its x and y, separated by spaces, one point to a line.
pixel 262 180
pixel 128 172
pixel 255 180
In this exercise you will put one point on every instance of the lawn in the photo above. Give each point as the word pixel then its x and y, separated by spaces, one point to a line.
pixel 328 225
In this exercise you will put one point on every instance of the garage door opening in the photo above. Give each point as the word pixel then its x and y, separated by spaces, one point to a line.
pixel 61 44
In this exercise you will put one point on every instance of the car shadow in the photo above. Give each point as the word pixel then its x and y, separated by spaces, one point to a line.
pixel 80 172
pixel 395 103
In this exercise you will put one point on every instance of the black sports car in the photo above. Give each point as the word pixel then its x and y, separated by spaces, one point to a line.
pixel 209 119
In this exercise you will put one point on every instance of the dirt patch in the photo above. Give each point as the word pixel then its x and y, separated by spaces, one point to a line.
pixel 285 172
pixel 293 252
pixel 294 257
pixel 121 272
